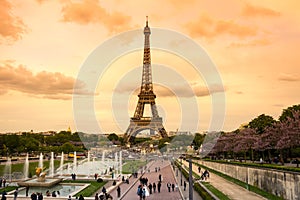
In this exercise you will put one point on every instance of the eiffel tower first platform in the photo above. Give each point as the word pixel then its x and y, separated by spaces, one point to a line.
pixel 138 122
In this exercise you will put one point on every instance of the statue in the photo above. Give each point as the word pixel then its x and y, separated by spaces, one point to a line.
pixel 41 176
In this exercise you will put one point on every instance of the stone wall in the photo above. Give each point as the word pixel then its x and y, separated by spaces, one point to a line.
pixel 284 184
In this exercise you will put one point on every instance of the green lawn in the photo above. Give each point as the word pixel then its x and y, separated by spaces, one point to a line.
pixel 132 166
pixel 242 184
pixel 32 165
pixel 90 190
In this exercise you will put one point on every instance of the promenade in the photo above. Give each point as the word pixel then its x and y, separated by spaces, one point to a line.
pixel 228 188
pixel 167 176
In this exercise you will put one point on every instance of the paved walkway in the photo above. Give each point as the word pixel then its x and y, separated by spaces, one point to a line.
pixel 167 176
pixel 230 189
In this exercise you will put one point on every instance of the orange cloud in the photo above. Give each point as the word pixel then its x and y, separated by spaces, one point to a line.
pixel 288 77
pixel 12 27
pixel 255 11
pixel 208 27
pixel 178 90
pixel 43 84
pixel 258 42
pixel 90 11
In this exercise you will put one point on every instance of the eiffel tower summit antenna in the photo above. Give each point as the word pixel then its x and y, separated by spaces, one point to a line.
pixel 138 122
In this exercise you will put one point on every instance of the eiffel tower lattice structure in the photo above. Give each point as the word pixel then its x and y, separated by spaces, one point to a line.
pixel 138 122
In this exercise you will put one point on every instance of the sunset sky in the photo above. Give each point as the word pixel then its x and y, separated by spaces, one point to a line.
pixel 44 43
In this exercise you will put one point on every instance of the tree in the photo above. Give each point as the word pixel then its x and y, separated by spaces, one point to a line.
pixel 291 132
pixel 260 123
pixel 113 137
pixel 288 112
pixel 67 147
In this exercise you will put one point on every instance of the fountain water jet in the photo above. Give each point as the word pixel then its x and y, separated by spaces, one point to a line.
pixel 61 162
pixel 51 169
pixel 26 167
pixel 89 156
pixel 75 161
pixel 7 168
pixel 41 164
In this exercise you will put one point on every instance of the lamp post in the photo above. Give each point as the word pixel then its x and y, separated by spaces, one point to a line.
pixel 190 179
pixel 181 172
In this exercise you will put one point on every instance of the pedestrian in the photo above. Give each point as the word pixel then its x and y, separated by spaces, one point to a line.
pixel 27 191
pixel 53 194
pixel 16 194
pixel 57 193
pixel 154 187
pixel 169 186
pixel 176 187
pixel 119 191
pixel 33 196
pixel 0 182
pixel 199 169
pixel 96 175
pixel 104 190
pixel 184 185
pixel 140 192
pixel 96 196
pixel 4 182
pixel 150 188
pixel 81 197
pixel 159 178
pixel 173 186
pixel 3 195
pixel 158 187
pixel 70 198
pixel 40 196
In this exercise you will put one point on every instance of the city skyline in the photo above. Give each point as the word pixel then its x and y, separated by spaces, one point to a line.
pixel 43 45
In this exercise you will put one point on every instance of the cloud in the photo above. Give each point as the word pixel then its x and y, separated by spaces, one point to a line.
pixel 43 84
pixel 253 43
pixel 208 27
pixel 256 11
pixel 90 11
pixel 178 90
pixel 12 27
pixel 288 77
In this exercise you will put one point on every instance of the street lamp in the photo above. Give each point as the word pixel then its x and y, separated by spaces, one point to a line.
pixel 181 171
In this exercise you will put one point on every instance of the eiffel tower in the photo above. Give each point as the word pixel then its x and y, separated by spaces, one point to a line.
pixel 138 122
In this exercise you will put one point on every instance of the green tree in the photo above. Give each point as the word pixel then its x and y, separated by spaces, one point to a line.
pixel 113 137
pixel 260 123
pixel 67 147
pixel 288 112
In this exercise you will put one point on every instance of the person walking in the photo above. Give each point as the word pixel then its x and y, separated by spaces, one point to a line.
pixel 118 191
pixel 81 197
pixel 104 190
pixel 154 187
pixel 158 187
pixel 3 195
pixel 4 182
pixel 40 196
pixel 199 169
pixel 16 194
pixel 150 188
pixel 184 185
pixel 159 178
pixel 96 196
pixel 169 186
pixel 173 186
pixel 140 192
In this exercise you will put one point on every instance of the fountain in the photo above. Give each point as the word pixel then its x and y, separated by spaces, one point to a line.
pixel 7 169
pixel 89 156
pixel 75 161
pixel 61 162
pixel 51 169
pixel 120 163
pixel 41 164
pixel 26 167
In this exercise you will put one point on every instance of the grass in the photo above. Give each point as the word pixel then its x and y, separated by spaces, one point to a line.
pixel 18 167
pixel 242 184
pixel 258 165
pixel 215 191
pixel 7 189
pixel 201 191
pixel 132 166
pixel 90 190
